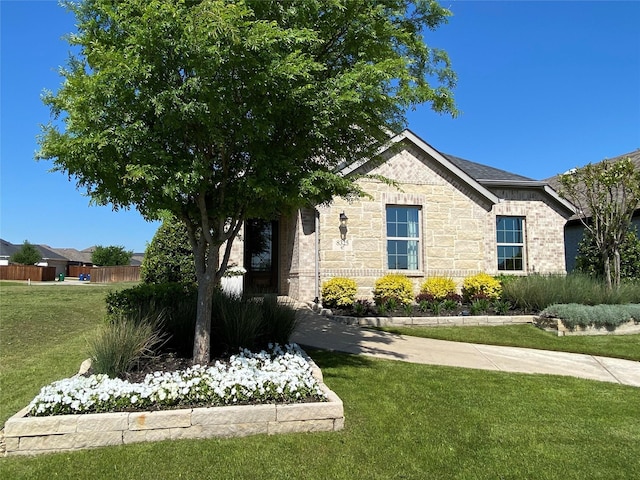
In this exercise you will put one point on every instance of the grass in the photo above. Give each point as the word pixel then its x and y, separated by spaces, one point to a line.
pixel 403 421
pixel 529 336
pixel 44 332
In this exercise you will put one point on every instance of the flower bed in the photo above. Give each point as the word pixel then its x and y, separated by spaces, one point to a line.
pixel 66 415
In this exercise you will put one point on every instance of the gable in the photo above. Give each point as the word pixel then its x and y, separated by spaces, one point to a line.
pixel 405 157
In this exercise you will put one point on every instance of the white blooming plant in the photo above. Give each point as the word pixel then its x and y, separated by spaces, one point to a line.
pixel 281 375
pixel 234 271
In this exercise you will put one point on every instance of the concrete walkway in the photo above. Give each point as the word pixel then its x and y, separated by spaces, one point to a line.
pixel 317 331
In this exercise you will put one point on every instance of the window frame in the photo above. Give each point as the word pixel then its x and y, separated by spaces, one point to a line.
pixel 511 244
pixel 409 238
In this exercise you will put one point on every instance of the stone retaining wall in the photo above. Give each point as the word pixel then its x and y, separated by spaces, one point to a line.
pixel 465 320
pixel 556 326
pixel 33 435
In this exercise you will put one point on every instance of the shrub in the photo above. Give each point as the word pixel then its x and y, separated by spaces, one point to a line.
pixel 249 323
pixel 501 307
pixel 481 285
pixel 177 301
pixel 438 287
pixel 235 323
pixel 339 292
pixel 600 316
pixel 536 292
pixel 361 307
pixel 479 305
pixel 123 342
pixel 393 287
pixel 278 321
pixel 169 258
pixel 589 259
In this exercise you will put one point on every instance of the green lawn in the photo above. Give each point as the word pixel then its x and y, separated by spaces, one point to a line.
pixel 43 336
pixel 529 336
pixel 403 421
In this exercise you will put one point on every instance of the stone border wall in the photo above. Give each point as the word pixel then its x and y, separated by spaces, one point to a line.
pixel 555 325
pixel 465 320
pixel 60 433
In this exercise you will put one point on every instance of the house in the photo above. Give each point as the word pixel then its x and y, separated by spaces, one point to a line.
pixel 49 258
pixel 574 230
pixel 7 249
pixel 450 217
pixel 63 259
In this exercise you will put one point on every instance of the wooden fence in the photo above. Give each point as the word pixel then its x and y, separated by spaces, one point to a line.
pixel 115 274
pixel 74 271
pixel 27 272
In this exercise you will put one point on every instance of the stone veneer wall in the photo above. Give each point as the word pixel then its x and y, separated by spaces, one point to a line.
pixel 58 433
pixel 452 224
pixel 458 228
pixel 544 230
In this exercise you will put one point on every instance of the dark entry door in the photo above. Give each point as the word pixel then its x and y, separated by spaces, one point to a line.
pixel 260 256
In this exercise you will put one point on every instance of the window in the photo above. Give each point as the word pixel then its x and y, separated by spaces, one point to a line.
pixel 402 238
pixel 510 240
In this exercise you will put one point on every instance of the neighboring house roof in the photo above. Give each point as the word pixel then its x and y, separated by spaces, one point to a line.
pixel 7 248
pixel 136 259
pixel 74 255
pixel 481 178
pixel 633 156
pixel 65 254
pixel 48 254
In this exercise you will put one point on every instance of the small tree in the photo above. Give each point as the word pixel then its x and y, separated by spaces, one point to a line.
pixel 589 260
pixel 27 255
pixel 169 257
pixel 606 195
pixel 111 256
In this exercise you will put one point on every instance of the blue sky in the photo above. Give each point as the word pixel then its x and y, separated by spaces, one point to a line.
pixel 543 86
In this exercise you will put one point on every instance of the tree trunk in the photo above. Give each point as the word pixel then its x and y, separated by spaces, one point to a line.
pixel 616 268
pixel 202 338
pixel 607 270
pixel 206 274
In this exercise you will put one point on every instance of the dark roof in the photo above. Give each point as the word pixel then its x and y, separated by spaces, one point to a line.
pixel 634 156
pixel 7 248
pixel 47 252
pixel 74 255
pixel 480 172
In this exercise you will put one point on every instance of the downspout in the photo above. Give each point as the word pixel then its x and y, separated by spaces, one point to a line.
pixel 316 215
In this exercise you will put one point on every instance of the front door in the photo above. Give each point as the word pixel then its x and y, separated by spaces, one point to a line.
pixel 260 256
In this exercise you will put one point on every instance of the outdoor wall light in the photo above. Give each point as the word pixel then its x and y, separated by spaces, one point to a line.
pixel 343 227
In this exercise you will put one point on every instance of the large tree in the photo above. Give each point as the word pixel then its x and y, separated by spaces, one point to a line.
pixel 110 256
pixel 606 195
pixel 219 110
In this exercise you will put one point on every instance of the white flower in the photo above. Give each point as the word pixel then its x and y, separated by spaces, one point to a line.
pixel 280 374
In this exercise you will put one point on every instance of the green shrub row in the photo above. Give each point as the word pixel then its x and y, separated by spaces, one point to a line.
pixel 600 316
pixel 534 293
pixel 396 290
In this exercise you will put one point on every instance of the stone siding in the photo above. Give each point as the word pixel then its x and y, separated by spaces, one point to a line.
pixel 544 231
pixel 457 227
